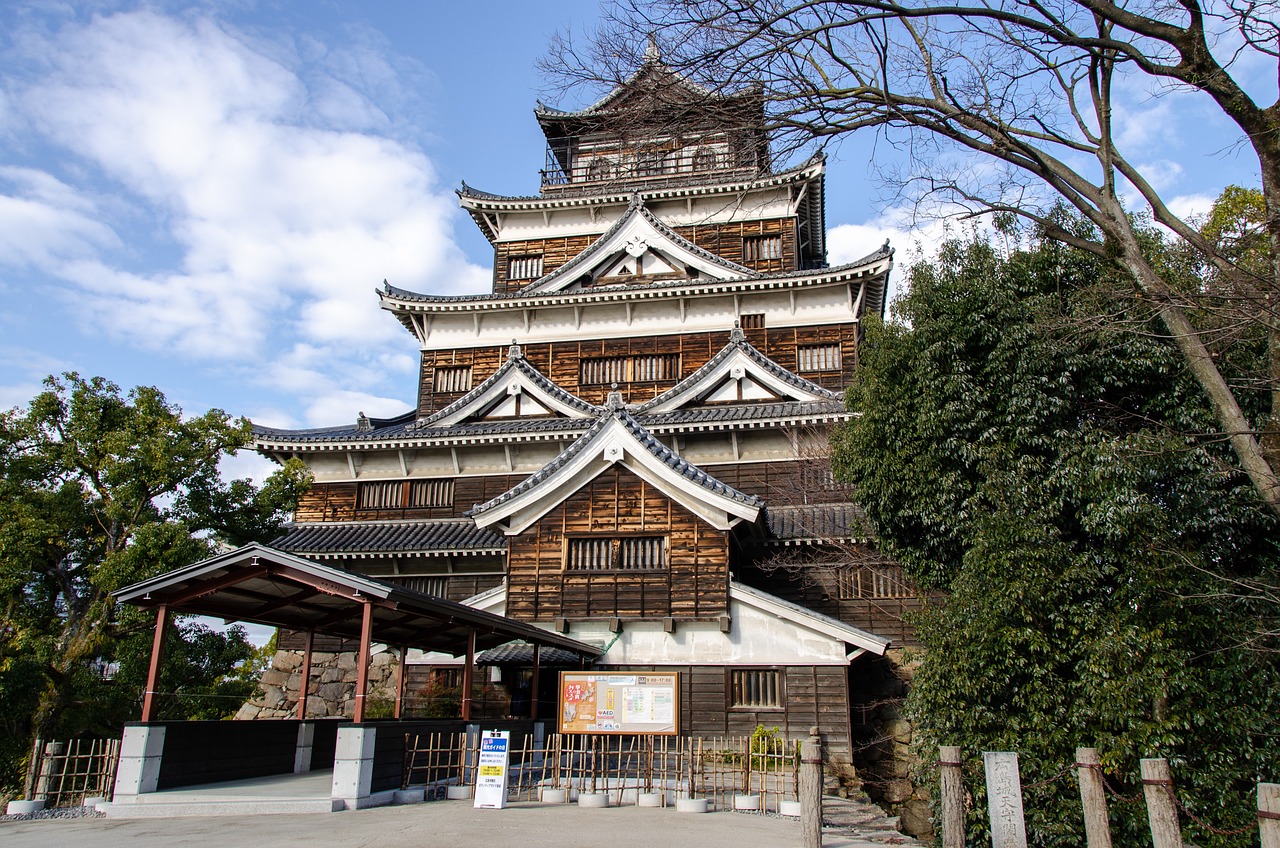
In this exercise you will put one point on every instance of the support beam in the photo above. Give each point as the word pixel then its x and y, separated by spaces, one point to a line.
pixel 305 683
pixel 468 674
pixel 533 684
pixel 400 675
pixel 157 657
pixel 362 661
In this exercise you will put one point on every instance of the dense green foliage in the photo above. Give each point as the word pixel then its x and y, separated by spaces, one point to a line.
pixel 1098 554
pixel 100 490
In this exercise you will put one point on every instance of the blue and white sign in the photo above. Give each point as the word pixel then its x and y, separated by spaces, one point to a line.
pixel 491 771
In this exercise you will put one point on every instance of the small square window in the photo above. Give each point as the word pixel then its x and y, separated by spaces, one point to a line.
pixel 755 688
pixel 453 379
pixel 761 248
pixel 751 321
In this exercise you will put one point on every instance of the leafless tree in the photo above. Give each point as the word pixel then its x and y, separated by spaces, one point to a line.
pixel 1033 87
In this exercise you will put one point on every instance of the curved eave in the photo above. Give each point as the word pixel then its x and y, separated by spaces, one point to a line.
pixel 419 440
pixel 477 202
pixel 401 303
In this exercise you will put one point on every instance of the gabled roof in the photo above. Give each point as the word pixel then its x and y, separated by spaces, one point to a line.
pixel 495 398
pixel 364 429
pixel 653 74
pixel 617 438
pixel 739 372
pixel 825 624
pixel 638 234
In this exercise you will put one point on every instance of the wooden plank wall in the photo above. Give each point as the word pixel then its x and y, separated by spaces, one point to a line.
pixel 559 361
pixel 337 501
pixel 694 585
pixel 724 240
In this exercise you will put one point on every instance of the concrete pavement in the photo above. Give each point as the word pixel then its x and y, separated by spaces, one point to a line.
pixel 440 823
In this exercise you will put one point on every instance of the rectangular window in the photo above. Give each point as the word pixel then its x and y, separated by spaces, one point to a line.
pixel 524 267
pixel 399 494
pixel 453 378
pixel 761 248
pixel 604 370
pixel 426 585
pixel 873 581
pixel 755 688
pixel 751 321
pixel 616 553
pixel 823 357
pixel 650 163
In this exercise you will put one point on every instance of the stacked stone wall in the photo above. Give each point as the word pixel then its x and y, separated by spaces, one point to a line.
pixel 331 692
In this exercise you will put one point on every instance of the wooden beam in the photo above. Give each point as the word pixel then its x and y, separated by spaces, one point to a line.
pixel 305 683
pixel 533 694
pixel 468 674
pixel 208 587
pixel 157 657
pixel 400 674
pixel 362 660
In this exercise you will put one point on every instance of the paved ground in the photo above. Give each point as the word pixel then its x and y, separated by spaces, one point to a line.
pixel 522 825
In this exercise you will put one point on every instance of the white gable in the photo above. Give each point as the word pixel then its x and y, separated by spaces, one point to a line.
pixel 740 373
pixel 517 390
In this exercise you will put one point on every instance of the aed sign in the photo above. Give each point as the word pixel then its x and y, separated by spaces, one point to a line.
pixel 491 769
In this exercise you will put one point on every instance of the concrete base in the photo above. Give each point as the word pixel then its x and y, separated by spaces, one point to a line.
pixel 649 799
pixel 93 801
pixel 747 802
pixel 412 795
pixel 789 808
pixel 17 808
pixel 593 800
pixel 217 808
pixel 691 805
pixel 364 802
pixel 458 793
pixel 554 796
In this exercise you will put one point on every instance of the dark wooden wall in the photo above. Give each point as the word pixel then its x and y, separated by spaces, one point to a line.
pixel 695 583
pixel 560 361
pixel 337 501
pixel 724 240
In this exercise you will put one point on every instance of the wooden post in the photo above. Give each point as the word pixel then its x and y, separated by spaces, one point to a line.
pixel 362 661
pixel 305 683
pixel 468 672
pixel 810 791
pixel 404 659
pixel 533 683
pixel 33 771
pixel 951 795
pixel 1269 814
pixel 1093 798
pixel 1162 810
pixel 157 657
pixel 50 770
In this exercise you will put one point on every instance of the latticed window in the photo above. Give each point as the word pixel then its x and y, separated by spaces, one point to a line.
pixel 524 267
pixel 603 370
pixel 426 585
pixel 616 553
pixel 761 248
pixel 453 378
pixel 755 687
pixel 751 321
pixel 399 494
pixel 823 357
pixel 873 581
pixel 650 163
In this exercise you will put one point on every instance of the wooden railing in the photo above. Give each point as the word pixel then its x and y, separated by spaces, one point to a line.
pixel 63 774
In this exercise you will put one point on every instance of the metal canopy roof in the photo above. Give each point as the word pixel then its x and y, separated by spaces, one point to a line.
pixel 265 586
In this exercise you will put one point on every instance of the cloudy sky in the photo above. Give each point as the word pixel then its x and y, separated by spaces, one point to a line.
pixel 203 196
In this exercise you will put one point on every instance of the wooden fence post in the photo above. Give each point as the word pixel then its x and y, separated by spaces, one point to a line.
pixel 33 770
pixel 1269 814
pixel 50 768
pixel 1097 827
pixel 951 796
pixel 1162 810
pixel 810 791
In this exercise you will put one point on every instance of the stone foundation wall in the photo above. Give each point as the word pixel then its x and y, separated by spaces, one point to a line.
pixel 332 687
pixel 882 743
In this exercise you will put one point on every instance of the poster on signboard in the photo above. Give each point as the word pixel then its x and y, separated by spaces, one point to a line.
pixel 491 770
pixel 619 703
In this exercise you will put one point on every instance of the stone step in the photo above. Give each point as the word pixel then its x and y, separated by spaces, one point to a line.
pixel 219 808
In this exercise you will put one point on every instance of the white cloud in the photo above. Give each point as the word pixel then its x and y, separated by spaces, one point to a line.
pixel 265 178
pixel 25 370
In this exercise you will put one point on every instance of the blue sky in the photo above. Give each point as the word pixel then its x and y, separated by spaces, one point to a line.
pixel 203 196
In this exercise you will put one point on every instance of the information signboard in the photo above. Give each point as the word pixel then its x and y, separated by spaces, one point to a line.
pixel 491 769
pixel 619 703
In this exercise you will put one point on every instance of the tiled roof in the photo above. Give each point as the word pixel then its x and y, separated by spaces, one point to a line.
pixel 374 430
pixel 816 522
pixel 646 439
pixel 515 362
pixel 734 413
pixel 419 537
pixel 518 653
pixel 636 207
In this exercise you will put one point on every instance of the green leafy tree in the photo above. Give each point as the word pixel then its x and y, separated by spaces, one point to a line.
pixel 100 490
pixel 1057 478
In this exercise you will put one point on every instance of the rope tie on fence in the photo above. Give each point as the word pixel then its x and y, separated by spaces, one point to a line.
pixel 1268 815
pixel 945 763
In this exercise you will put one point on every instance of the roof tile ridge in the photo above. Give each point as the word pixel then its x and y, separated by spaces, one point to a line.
pixel 636 204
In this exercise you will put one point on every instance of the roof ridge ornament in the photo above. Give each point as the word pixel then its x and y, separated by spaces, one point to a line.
pixel 514 351
pixel 613 402
pixel 652 53
pixel 736 334
pixel 363 424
